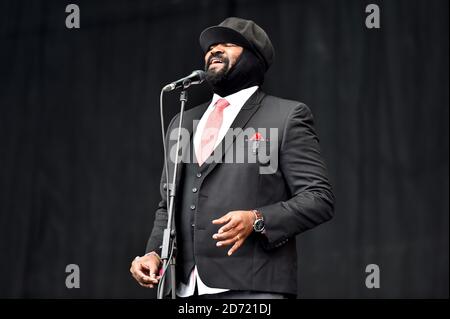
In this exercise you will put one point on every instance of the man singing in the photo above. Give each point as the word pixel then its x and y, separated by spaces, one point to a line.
pixel 236 222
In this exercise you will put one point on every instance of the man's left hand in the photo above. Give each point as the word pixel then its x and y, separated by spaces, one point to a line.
pixel 238 226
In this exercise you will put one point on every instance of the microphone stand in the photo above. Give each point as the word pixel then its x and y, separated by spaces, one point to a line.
pixel 169 244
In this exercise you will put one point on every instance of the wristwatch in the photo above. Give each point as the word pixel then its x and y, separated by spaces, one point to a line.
pixel 258 225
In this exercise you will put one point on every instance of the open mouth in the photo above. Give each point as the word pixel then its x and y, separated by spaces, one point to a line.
pixel 214 61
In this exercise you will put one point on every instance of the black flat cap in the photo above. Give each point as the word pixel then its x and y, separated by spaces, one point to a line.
pixel 245 33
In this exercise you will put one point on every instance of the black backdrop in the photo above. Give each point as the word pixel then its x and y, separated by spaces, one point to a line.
pixel 80 137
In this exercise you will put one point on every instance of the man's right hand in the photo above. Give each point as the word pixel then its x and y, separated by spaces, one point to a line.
pixel 145 270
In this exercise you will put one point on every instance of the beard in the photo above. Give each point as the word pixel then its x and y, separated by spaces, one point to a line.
pixel 247 71
pixel 216 77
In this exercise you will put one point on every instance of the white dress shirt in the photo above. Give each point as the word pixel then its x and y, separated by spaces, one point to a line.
pixel 236 100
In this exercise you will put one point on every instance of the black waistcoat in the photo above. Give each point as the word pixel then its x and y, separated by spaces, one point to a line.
pixel 186 216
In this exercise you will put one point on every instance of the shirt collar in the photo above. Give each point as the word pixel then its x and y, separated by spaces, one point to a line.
pixel 237 98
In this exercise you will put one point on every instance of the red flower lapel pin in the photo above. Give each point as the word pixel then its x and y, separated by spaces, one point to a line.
pixel 257 137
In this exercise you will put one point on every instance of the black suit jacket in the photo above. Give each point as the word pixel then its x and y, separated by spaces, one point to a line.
pixel 296 197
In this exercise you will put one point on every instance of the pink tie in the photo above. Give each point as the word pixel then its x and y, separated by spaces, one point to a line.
pixel 211 131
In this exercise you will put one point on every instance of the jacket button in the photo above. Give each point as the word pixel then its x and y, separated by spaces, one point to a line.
pixel 165 186
pixel 199 175
pixel 194 190
pixel 193 225
pixel 192 207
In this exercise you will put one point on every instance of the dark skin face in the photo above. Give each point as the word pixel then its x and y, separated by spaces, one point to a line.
pixel 222 56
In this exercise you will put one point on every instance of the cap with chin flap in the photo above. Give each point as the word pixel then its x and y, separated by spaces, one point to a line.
pixel 245 33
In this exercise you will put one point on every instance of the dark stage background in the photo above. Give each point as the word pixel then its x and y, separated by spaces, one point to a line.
pixel 80 137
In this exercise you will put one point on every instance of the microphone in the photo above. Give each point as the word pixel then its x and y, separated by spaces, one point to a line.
pixel 195 77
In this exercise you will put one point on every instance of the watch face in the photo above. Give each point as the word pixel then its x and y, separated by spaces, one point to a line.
pixel 259 225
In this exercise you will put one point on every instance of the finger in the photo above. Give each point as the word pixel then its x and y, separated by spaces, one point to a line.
pixel 135 269
pixel 222 220
pixel 226 235
pixel 148 280
pixel 147 285
pixel 228 241
pixel 229 226
pixel 235 247
pixel 141 277
pixel 151 270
